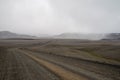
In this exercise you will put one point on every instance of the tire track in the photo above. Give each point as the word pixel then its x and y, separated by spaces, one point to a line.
pixel 33 70
pixel 60 71
pixel 90 69
pixel 18 66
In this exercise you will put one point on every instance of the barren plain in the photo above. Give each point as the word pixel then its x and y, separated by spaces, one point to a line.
pixel 59 59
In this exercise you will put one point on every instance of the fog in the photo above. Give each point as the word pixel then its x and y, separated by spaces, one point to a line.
pixel 60 16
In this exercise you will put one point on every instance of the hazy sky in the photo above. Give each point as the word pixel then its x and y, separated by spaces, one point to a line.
pixel 59 16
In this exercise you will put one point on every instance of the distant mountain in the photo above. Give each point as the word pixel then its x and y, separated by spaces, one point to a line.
pixel 80 36
pixel 11 35
pixel 44 36
pixel 112 36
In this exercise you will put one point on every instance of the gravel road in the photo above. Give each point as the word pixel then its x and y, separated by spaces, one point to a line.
pixel 18 64
pixel 93 70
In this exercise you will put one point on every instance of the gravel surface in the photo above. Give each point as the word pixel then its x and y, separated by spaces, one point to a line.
pixel 18 61
pixel 97 71
pixel 16 66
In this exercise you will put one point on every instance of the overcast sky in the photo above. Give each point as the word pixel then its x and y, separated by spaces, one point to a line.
pixel 59 16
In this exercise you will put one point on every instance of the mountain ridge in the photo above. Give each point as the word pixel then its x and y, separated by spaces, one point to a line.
pixel 89 36
pixel 8 35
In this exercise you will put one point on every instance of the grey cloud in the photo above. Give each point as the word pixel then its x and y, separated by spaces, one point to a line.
pixel 58 16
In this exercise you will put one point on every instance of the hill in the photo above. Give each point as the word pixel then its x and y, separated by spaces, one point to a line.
pixel 112 36
pixel 80 36
pixel 11 35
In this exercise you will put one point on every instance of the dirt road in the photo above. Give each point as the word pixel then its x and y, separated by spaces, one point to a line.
pixel 19 65
pixel 15 66
pixel 93 70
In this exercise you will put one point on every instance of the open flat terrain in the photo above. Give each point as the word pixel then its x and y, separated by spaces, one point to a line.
pixel 59 59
